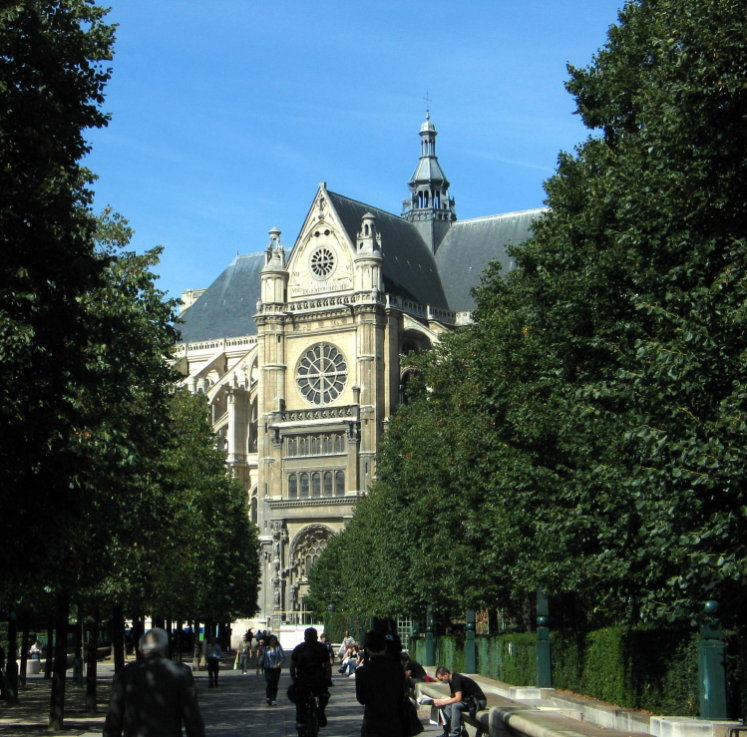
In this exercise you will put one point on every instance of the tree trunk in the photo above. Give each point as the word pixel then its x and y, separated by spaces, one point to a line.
pixel 91 665
pixel 24 650
pixel 78 658
pixel 57 699
pixel 196 646
pixel 167 627
pixel 138 627
pixel 11 666
pixel 118 644
pixel 50 649
pixel 179 641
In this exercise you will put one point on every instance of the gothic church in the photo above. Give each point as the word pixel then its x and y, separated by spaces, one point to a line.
pixel 298 354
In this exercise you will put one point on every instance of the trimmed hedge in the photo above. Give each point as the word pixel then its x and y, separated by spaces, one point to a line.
pixel 653 670
pixel 639 669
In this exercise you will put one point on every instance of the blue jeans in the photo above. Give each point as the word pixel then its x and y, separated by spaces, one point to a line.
pixel 272 678
pixel 453 715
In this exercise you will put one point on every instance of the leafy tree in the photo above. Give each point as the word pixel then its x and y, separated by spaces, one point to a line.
pixel 586 434
pixel 205 560
pixel 635 277
pixel 52 73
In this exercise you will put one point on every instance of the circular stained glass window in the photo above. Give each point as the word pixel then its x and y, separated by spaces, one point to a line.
pixel 322 262
pixel 321 373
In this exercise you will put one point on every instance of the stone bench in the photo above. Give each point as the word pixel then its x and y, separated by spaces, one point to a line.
pixel 481 722
pixel 506 717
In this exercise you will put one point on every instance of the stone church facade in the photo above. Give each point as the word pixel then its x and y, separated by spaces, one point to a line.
pixel 298 353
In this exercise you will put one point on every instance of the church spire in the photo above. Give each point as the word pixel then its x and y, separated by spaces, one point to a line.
pixel 429 205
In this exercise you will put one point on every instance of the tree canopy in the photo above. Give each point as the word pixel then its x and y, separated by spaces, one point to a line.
pixel 53 69
pixel 110 485
pixel 586 434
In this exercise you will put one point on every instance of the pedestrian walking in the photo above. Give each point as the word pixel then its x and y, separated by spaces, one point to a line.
pixel 155 696
pixel 380 687
pixel 213 654
pixel 244 652
pixel 271 661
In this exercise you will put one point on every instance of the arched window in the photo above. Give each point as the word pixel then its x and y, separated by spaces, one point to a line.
pixel 327 483
pixel 254 509
pixel 292 446
pixel 314 446
pixel 252 434
pixel 304 486
pixel 316 484
pixel 340 483
pixel 325 448
pixel 292 486
pixel 338 443
pixel 302 447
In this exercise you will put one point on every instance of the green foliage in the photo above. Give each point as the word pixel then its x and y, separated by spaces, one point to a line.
pixel 52 74
pixel 605 674
pixel 110 488
pixel 336 623
pixel 516 654
pixel 655 670
pixel 205 561
pixel 567 654
pixel 586 434
pixel 736 672
pixel 450 652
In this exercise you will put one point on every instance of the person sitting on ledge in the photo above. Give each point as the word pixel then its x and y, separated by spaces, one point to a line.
pixel 464 693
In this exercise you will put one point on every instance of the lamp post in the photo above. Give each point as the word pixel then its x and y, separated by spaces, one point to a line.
pixel 470 646
pixel 430 643
pixel 711 665
pixel 544 663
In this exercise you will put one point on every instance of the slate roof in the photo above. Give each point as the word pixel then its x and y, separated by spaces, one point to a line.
pixel 470 245
pixel 410 269
pixel 428 170
pixel 226 308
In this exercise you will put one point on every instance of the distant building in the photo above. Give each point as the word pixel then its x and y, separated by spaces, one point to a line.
pixel 299 354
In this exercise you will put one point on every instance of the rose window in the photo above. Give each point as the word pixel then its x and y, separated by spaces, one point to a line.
pixel 321 373
pixel 322 262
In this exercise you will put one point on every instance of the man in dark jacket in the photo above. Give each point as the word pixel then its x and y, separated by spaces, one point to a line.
pixel 414 672
pixel 154 696
pixel 311 672
pixel 380 687
pixel 464 691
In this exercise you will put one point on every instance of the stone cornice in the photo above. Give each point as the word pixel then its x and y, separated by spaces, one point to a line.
pixel 325 501
pixel 211 346
pixel 346 412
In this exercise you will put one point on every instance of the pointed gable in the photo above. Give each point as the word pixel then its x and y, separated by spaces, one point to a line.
pixel 410 270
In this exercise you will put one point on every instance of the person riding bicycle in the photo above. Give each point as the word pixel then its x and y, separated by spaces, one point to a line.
pixel 311 675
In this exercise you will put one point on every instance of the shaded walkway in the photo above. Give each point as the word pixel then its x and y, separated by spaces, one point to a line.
pixel 236 708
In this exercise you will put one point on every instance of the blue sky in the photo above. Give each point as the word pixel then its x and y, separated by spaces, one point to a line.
pixel 226 114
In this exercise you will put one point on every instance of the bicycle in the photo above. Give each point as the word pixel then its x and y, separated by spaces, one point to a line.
pixel 311 716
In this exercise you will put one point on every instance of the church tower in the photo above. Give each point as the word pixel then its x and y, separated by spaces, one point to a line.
pixel 429 207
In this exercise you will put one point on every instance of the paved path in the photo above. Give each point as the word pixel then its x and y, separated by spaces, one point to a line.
pixel 236 708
